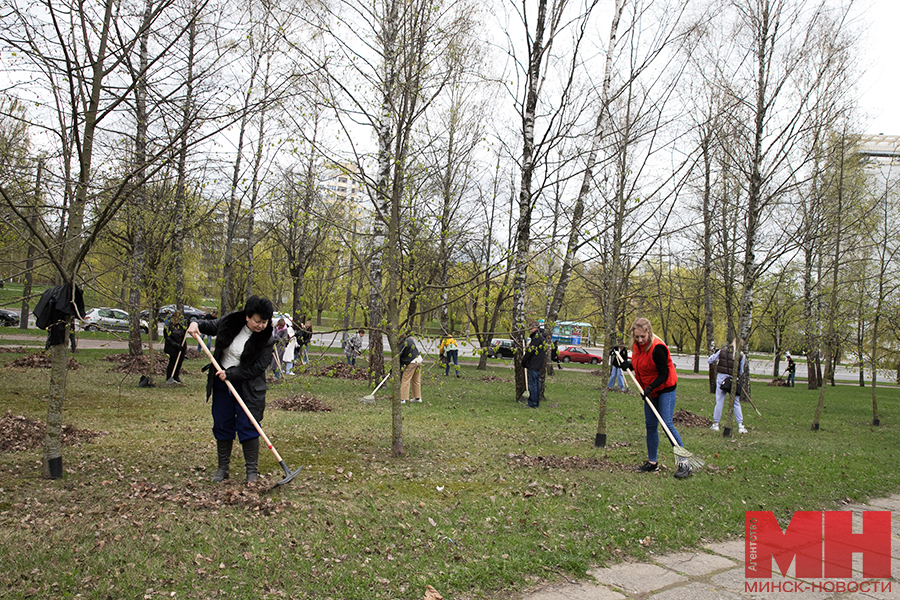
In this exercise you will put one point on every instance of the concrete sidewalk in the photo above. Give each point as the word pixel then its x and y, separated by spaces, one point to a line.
pixel 717 572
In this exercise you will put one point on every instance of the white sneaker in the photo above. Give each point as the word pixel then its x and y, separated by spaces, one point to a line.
pixel 742 429
pixel 715 427
pixel 416 400
pixel 403 402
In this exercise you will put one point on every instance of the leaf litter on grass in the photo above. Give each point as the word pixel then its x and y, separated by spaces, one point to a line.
pixel 568 463
pixel 18 433
pixel 200 497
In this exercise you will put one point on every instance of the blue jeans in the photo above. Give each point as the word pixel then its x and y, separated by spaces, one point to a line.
pixel 665 405
pixel 616 377
pixel 451 356
pixel 791 375
pixel 534 387
pixel 228 416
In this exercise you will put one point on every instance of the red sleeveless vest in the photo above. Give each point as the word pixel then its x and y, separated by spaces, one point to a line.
pixel 645 368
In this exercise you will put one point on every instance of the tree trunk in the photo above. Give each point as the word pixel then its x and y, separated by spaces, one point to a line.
pixel 138 193
pixel 178 208
pixel 29 260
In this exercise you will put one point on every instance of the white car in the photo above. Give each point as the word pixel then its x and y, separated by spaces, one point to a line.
pixel 109 319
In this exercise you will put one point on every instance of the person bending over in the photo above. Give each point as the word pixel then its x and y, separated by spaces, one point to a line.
pixel 244 344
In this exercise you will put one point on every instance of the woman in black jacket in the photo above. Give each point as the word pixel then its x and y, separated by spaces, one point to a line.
pixel 243 349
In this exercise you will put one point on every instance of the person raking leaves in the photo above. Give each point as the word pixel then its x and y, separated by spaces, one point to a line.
pixel 244 344
pixel 652 365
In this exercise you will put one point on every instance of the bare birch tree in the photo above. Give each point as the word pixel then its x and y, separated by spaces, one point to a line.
pixel 73 57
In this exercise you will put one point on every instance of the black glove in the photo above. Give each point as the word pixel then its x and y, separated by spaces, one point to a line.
pixel 648 391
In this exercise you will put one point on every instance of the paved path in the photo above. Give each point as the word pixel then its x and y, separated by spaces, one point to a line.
pixel 717 572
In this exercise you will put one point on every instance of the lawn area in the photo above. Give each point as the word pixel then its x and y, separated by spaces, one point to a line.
pixel 489 499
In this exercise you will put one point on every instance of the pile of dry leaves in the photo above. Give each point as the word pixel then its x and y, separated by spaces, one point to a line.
pixel 17 350
pixel 341 370
pixel 125 363
pixel 494 378
pixel 41 360
pixel 301 403
pixel 779 382
pixel 684 418
pixel 19 433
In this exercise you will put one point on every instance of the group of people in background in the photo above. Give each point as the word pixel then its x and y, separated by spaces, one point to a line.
pixel 290 346
pixel 247 345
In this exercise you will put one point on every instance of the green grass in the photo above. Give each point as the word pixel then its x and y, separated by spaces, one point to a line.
pixel 137 516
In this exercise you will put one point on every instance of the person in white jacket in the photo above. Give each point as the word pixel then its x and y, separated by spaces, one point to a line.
pixel 287 358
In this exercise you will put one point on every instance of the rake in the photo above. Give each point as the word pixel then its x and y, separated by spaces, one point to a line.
pixel 526 393
pixel 680 451
pixel 370 399
pixel 288 474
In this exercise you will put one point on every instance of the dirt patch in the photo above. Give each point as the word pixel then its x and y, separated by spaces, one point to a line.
pixel 19 433
pixel 301 403
pixel 41 360
pixel 495 379
pixel 568 463
pixel 340 370
pixel 247 496
pixel 125 363
pixel 683 418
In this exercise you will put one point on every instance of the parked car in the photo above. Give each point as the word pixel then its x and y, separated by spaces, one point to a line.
pixel 8 318
pixel 501 349
pixel 109 319
pixel 164 311
pixel 579 355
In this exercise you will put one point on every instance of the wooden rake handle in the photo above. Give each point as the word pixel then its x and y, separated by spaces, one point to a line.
pixel 183 342
pixel 647 400
pixel 237 397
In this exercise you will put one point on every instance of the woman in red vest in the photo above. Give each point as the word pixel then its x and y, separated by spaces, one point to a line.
pixel 652 364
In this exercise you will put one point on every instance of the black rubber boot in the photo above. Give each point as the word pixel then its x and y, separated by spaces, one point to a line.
pixel 223 449
pixel 251 458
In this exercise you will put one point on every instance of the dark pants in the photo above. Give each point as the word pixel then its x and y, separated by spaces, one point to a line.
pixel 172 370
pixel 451 356
pixel 534 387
pixel 228 416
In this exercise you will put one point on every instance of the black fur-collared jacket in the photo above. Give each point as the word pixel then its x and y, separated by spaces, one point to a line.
pixel 255 358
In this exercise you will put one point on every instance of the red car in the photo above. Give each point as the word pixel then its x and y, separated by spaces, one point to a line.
pixel 579 355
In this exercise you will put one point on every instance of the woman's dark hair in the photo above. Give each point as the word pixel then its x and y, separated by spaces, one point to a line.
pixel 259 306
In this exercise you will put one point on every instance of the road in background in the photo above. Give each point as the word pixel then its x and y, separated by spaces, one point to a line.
pixel 429 346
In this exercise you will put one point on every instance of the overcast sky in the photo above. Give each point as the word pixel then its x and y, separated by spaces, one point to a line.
pixel 880 85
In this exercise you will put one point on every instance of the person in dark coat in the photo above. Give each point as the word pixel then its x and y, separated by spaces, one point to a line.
pixel 533 361
pixel 174 333
pixel 244 344
pixel 791 371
